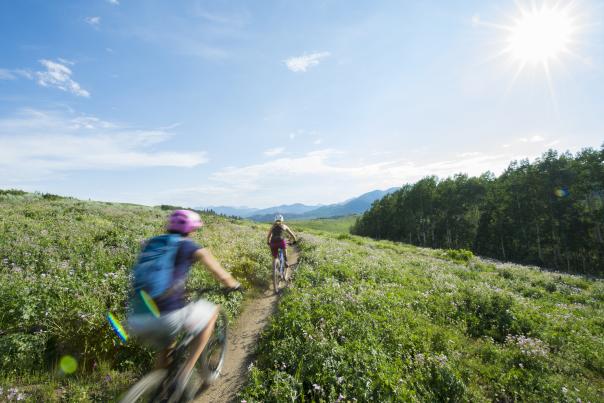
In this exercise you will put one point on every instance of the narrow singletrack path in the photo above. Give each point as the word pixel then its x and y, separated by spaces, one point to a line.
pixel 243 339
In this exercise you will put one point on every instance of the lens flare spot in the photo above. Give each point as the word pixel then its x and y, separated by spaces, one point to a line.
pixel 68 364
pixel 117 327
pixel 561 192
pixel 150 304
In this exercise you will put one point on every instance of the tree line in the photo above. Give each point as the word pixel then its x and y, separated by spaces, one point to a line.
pixel 548 213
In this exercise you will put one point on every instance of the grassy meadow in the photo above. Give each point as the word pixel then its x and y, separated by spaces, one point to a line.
pixel 364 320
pixel 339 225
pixel 64 264
pixel 380 321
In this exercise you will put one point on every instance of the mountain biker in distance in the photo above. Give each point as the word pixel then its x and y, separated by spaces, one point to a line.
pixel 276 239
pixel 175 316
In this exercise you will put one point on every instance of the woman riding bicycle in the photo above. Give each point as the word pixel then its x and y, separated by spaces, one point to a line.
pixel 276 239
pixel 159 329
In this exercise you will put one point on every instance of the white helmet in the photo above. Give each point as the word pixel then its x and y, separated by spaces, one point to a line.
pixel 278 218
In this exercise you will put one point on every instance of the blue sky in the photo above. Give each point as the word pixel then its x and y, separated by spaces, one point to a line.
pixel 261 103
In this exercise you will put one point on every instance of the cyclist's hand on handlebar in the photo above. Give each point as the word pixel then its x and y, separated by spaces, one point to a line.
pixel 238 288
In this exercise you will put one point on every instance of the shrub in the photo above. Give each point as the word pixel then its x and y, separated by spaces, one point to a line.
pixel 459 255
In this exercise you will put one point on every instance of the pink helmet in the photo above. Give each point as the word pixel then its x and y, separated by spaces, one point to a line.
pixel 184 221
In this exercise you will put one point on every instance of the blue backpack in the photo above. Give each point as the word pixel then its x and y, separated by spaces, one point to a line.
pixel 154 269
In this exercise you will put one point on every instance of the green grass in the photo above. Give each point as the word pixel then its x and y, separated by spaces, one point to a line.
pixel 340 225
pixel 380 321
pixel 64 264
pixel 365 320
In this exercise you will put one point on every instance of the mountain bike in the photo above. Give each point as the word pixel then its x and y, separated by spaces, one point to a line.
pixel 281 274
pixel 160 384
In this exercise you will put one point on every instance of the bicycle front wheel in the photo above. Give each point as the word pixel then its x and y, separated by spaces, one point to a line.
pixel 212 359
pixel 148 389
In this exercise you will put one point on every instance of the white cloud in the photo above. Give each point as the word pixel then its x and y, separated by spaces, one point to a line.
pixel 469 154
pixel 24 73
pixel 38 144
pixel 292 136
pixel 6 75
pixel 329 176
pixel 317 141
pixel 534 139
pixel 230 18
pixel 58 75
pixel 114 2
pixel 184 40
pixel 304 62
pixel 213 17
pixel 274 151
pixel 93 21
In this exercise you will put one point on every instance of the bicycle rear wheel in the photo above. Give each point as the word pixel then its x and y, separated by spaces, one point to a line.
pixel 148 389
pixel 212 359
pixel 276 276
pixel 277 271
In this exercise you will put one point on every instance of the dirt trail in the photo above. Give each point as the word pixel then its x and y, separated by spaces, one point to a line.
pixel 243 339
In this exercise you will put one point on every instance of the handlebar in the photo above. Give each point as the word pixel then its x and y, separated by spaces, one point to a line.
pixel 217 289
pixel 288 242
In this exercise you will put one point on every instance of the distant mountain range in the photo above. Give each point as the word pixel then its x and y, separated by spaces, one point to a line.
pixel 300 211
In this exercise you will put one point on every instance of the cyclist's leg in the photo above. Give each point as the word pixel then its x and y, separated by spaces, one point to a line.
pixel 275 253
pixel 281 245
pixel 285 254
pixel 163 359
pixel 196 348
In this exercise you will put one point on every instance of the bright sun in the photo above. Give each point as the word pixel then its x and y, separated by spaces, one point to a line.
pixel 540 35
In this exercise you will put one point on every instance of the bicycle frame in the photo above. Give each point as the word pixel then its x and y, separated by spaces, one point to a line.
pixel 281 261
pixel 279 270
pixel 159 385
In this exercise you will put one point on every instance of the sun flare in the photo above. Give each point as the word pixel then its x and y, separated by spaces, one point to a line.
pixel 540 35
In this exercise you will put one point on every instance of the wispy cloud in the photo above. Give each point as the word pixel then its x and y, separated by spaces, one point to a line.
pixel 311 177
pixel 230 18
pixel 184 42
pixel 533 139
pixel 6 74
pixel 114 2
pixel 93 21
pixel 274 151
pixel 56 74
pixel 37 144
pixel 203 32
pixel 300 64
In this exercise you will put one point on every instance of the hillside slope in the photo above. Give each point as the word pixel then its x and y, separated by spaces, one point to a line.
pixel 365 320
pixel 549 213
pixel 356 205
pixel 64 264
pixel 379 321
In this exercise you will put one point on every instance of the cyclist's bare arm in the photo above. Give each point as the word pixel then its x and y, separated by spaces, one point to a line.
pixel 270 235
pixel 289 231
pixel 209 261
